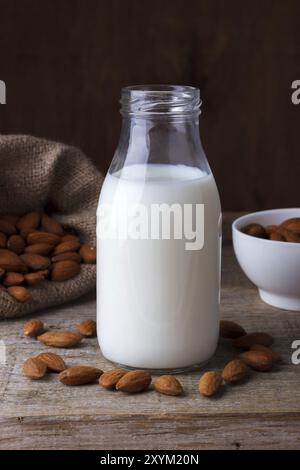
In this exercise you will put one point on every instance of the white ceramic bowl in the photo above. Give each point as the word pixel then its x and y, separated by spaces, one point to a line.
pixel 273 266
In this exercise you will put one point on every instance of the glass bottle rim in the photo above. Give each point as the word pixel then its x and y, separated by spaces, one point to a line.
pixel 160 100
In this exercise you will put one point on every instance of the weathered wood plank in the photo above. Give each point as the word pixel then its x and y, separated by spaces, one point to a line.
pixel 152 432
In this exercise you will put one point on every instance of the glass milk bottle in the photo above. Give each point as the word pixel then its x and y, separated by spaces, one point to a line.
pixel 159 237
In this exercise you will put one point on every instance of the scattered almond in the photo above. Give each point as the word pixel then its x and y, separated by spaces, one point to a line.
pixel 258 360
pixel 245 342
pixel 234 371
pixel 110 378
pixel 134 382
pixel 79 375
pixel 54 362
pixel 168 385
pixel 19 293
pixel 210 383
pixel 34 368
pixel 33 328
pixel 88 254
pixel 60 339
pixel 276 357
pixel 231 330
pixel 87 328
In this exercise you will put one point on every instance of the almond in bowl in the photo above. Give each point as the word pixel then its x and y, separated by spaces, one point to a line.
pixel 267 247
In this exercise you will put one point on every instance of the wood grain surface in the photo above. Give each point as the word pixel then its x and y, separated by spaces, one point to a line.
pixel 64 63
pixel 261 413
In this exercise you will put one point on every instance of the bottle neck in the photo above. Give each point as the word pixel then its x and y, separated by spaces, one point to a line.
pixel 159 140
pixel 160 125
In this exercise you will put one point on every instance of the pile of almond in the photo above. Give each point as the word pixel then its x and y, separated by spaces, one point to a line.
pixel 35 247
pixel 256 354
pixel 287 231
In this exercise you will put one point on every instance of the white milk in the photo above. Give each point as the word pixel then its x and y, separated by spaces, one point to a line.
pixel 157 303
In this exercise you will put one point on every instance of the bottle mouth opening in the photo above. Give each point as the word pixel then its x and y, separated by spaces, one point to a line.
pixel 160 100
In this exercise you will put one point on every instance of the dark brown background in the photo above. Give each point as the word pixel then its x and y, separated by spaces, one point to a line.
pixel 64 62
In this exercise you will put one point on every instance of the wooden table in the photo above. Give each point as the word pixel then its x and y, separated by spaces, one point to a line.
pixel 262 413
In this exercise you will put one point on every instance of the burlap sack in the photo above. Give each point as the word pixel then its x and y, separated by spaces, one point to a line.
pixel 36 173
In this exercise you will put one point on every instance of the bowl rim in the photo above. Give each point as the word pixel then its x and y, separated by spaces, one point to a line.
pixel 262 240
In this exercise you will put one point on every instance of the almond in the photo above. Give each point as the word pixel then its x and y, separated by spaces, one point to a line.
pixel 60 339
pixel 16 244
pixel 134 381
pixel 53 361
pixel 7 228
pixel 3 240
pixel 11 262
pixel 71 256
pixel 13 279
pixel 88 254
pixel 43 249
pixel 168 385
pixel 255 230
pixel 29 221
pixel 270 228
pixel 258 360
pixel 276 357
pixel 230 329
pixel 33 328
pixel 42 237
pixel 34 368
pixel 234 371
pixel 292 224
pixel 87 328
pixel 35 262
pixel 210 383
pixel 35 278
pixel 276 236
pixel 79 375
pixel 245 342
pixel 64 247
pixel 64 270
pixel 289 236
pixel 68 237
pixel 110 379
pixel 21 294
pixel 2 273
pixel 51 225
